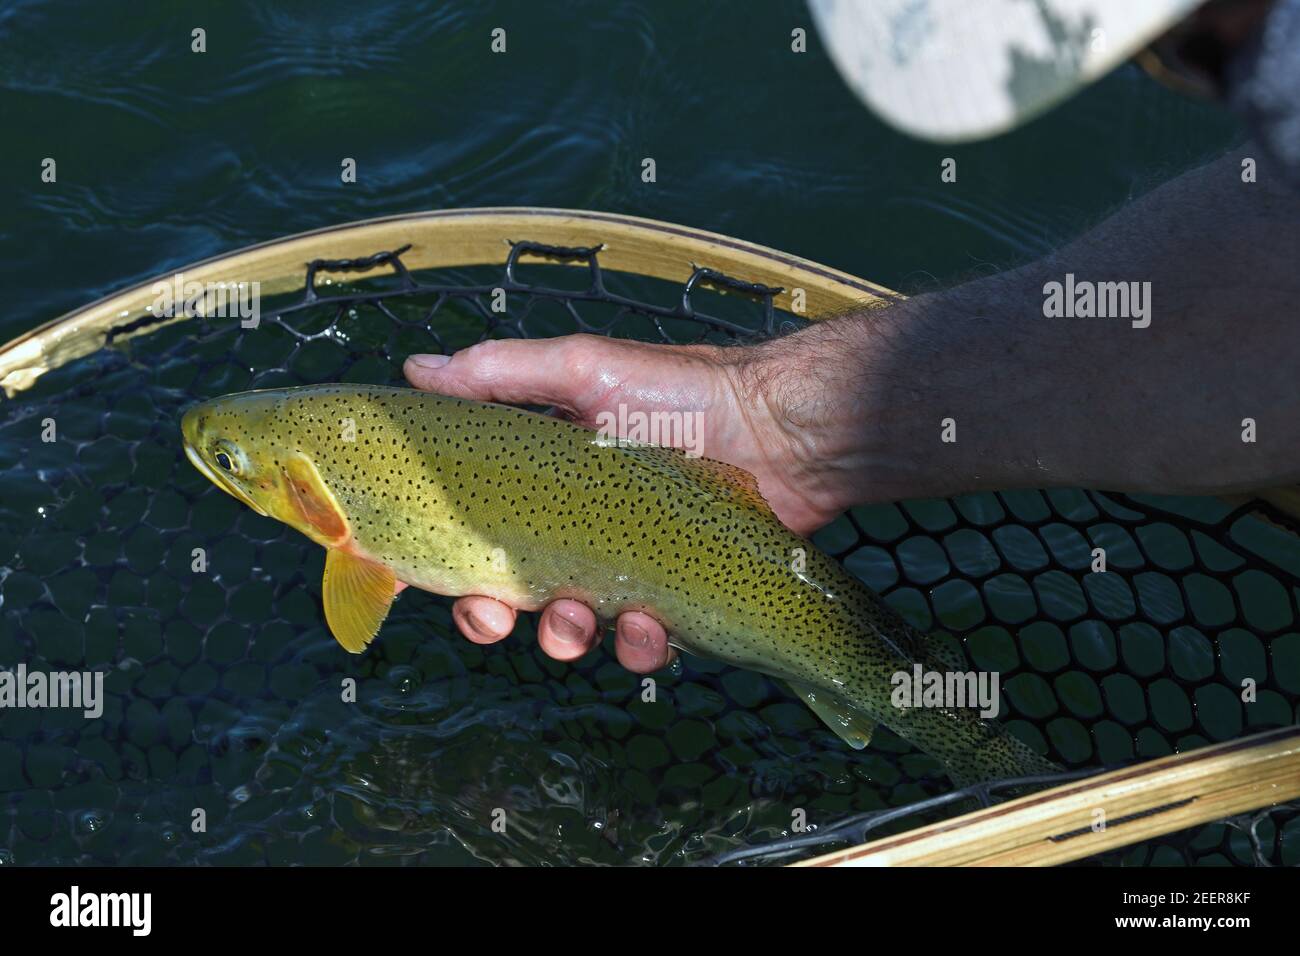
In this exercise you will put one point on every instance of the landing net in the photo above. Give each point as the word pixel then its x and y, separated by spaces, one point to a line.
pixel 223 685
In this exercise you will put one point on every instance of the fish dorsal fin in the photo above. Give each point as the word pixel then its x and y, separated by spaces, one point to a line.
pixel 854 728
pixel 306 491
pixel 357 595
pixel 723 480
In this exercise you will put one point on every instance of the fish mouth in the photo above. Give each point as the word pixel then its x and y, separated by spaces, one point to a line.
pixel 233 490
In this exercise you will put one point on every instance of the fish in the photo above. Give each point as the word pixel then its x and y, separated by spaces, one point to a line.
pixel 457 497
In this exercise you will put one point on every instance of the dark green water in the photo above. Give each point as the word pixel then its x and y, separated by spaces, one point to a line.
pixel 166 156
pixel 224 693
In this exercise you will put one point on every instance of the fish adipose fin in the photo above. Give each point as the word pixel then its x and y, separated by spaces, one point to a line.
pixel 357 595
pixel 839 715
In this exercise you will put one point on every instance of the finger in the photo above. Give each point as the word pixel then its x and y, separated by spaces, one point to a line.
pixel 567 630
pixel 511 371
pixel 483 620
pixel 641 643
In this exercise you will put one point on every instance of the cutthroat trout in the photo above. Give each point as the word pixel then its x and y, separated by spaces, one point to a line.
pixel 460 497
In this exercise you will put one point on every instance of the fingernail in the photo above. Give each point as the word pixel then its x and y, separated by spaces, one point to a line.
pixel 477 626
pixel 566 630
pixel 635 635
pixel 429 361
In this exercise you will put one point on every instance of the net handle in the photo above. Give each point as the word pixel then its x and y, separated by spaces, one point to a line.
pixel 1138 803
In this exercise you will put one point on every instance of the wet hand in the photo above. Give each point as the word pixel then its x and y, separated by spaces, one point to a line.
pixel 583 376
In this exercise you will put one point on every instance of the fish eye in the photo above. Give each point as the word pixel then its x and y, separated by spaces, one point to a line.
pixel 226 458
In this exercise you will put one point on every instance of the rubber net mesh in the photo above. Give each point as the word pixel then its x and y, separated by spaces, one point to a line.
pixel 223 685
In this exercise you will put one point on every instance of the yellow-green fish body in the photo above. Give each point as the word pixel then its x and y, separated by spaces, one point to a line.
pixel 460 497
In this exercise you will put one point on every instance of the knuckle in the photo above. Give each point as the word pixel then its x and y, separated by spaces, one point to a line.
pixel 485 355
pixel 578 355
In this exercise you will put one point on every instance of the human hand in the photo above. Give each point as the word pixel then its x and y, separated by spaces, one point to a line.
pixel 741 397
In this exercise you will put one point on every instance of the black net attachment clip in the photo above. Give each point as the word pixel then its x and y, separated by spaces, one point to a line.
pixel 720 280
pixel 542 250
pixel 361 264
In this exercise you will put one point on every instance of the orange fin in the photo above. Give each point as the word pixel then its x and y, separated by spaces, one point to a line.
pixel 311 499
pixel 357 595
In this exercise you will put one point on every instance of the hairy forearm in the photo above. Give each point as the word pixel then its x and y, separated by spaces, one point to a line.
pixel 1038 401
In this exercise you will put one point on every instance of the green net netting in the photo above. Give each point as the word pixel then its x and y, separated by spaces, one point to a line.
pixel 224 687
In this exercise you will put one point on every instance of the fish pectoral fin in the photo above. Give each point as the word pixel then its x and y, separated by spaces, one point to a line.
pixel 357 595
pixel 307 493
pixel 853 727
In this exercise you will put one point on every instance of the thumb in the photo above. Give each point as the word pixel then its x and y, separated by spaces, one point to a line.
pixel 510 371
